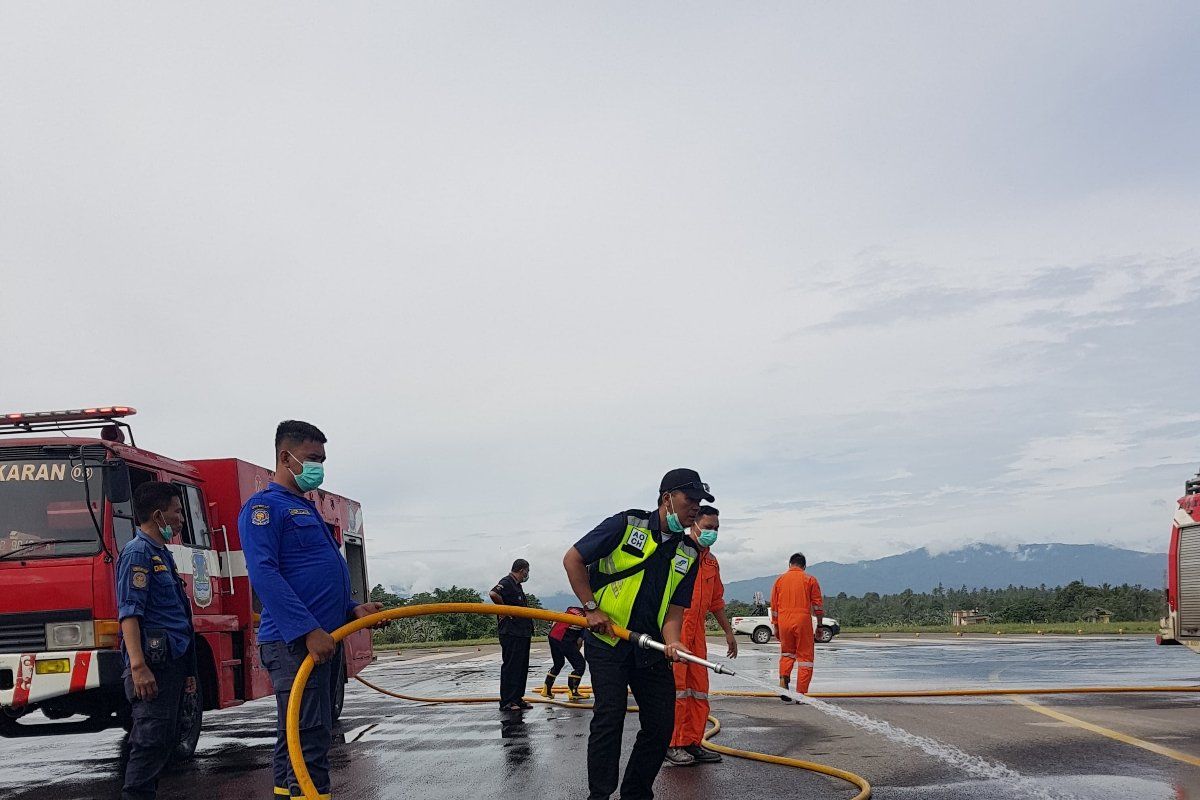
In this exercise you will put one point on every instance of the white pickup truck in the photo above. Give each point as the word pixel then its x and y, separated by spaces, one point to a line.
pixel 760 631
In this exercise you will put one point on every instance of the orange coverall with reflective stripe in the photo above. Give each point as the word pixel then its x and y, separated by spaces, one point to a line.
pixel 795 597
pixel 691 680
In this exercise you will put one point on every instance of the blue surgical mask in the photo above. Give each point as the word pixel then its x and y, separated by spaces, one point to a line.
pixel 310 476
pixel 707 537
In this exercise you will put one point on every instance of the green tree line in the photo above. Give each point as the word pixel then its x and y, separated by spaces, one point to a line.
pixel 442 627
pixel 1070 603
pixel 1022 604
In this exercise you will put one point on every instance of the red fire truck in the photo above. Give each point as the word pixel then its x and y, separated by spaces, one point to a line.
pixel 1182 623
pixel 65 514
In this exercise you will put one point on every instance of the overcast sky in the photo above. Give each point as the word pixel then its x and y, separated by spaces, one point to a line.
pixel 887 275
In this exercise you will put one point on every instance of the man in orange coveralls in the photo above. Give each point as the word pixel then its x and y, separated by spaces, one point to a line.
pixel 691 680
pixel 795 597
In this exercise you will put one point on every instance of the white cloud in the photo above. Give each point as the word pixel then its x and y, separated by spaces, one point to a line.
pixel 888 279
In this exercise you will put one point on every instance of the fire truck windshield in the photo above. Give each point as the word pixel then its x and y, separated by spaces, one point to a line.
pixel 43 508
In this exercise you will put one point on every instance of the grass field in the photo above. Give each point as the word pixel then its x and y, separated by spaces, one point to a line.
pixel 1088 628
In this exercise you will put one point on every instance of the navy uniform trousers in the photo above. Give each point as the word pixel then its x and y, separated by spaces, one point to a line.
pixel 155 730
pixel 615 672
pixel 282 660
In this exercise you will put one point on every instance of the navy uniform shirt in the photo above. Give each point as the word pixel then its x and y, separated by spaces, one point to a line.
pixel 606 537
pixel 295 566
pixel 510 591
pixel 149 587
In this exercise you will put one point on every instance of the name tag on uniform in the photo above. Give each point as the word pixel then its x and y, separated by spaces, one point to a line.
pixel 636 546
pixel 299 512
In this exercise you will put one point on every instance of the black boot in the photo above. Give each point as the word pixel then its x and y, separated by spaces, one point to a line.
pixel 547 691
pixel 573 687
pixel 785 681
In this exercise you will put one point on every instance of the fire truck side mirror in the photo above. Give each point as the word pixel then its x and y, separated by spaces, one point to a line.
pixel 116 482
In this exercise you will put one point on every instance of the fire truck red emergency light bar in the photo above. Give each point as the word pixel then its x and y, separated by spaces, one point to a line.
pixel 70 415
pixel 107 418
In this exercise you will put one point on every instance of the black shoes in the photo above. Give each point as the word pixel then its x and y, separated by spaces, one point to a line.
pixel 678 757
pixel 516 705
pixel 701 755
pixel 690 755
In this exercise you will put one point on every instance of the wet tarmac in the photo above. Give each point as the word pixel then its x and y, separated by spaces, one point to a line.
pixel 1060 747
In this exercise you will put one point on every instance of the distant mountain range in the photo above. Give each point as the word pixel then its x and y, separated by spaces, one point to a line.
pixel 978 566
pixel 973 566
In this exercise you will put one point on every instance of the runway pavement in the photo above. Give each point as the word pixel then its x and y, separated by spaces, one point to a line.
pixel 1085 747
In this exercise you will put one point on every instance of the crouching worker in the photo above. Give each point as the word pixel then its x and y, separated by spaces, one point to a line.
pixel 565 644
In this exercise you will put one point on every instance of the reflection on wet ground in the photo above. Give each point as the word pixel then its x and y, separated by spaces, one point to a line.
pixel 387 748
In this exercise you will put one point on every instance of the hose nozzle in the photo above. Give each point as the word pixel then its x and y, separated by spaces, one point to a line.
pixel 644 641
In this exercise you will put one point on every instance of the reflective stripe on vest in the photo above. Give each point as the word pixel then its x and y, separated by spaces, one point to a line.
pixel 617 598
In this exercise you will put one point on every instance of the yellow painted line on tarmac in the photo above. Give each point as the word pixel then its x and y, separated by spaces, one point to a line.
pixel 1109 732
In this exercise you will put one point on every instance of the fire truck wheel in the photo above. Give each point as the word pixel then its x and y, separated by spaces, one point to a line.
pixel 191 718
pixel 337 692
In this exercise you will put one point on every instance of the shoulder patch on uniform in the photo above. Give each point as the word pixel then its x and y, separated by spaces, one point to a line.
pixel 260 515
pixel 156 558
pixel 299 512
pixel 139 579
pixel 682 564
pixel 138 568
pixel 637 518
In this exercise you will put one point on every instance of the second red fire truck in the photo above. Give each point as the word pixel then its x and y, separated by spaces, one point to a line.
pixel 65 514
pixel 1182 623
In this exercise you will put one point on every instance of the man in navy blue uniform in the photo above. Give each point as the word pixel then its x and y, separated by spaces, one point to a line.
pixel 515 634
pixel 302 579
pixel 156 637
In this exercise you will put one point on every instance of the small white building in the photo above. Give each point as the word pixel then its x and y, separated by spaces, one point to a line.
pixel 972 617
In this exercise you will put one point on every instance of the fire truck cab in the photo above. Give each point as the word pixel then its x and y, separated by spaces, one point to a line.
pixel 1182 623
pixel 65 513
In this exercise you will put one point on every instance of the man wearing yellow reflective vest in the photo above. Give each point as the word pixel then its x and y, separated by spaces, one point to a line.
pixel 636 569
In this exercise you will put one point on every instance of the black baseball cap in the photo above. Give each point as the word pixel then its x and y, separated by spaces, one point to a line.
pixel 686 481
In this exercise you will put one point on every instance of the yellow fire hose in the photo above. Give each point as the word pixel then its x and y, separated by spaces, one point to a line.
pixel 296 753
pixel 305 780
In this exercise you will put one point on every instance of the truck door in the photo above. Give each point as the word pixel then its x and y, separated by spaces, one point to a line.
pixel 197 560
pixel 357 646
